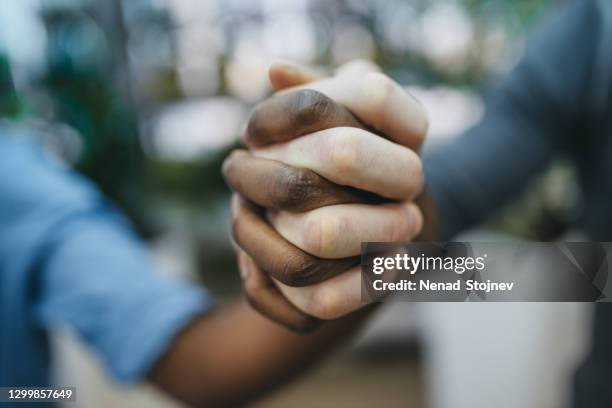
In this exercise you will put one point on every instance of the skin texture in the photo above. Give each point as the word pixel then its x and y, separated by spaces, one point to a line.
pixel 306 111
pixel 263 295
pixel 289 264
pixel 209 363
pixel 331 233
pixel 375 99
pixel 383 105
pixel 277 186
pixel 356 158
pixel 235 355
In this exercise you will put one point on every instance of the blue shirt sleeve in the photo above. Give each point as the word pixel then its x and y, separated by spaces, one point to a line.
pixel 71 260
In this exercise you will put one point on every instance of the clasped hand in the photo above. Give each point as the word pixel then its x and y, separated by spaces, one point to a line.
pixel 333 162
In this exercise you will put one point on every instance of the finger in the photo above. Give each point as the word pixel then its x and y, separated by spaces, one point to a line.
pixel 276 118
pixel 337 231
pixel 354 157
pixel 357 68
pixel 275 255
pixel 264 296
pixel 286 116
pixel 328 300
pixel 277 186
pixel 380 103
pixel 283 75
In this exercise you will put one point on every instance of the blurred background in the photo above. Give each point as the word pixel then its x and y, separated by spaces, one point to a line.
pixel 146 98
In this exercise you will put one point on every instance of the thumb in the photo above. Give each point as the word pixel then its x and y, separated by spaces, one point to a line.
pixel 285 75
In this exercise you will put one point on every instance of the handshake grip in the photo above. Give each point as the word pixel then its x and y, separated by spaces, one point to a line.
pixel 266 184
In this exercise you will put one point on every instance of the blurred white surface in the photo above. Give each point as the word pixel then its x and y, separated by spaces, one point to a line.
pixel 76 366
pixel 503 354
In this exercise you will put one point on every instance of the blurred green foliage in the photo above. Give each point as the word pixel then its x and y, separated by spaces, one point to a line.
pixel 81 78
pixel 89 81
pixel 9 103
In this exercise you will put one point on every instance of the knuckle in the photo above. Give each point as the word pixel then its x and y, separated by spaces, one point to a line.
pixel 312 235
pixel 297 270
pixel 412 166
pixel 418 177
pixel 379 89
pixel 407 222
pixel 395 229
pixel 321 234
pixel 310 106
pixel 293 188
pixel 230 164
pixel 402 227
pixel 417 223
pixel 255 128
pixel 424 127
pixel 236 228
pixel 345 151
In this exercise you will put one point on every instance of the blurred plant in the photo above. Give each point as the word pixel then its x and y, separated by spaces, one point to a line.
pixel 81 79
pixel 9 103
pixel 113 68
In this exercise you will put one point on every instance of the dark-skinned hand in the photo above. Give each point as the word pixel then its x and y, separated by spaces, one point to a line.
pixel 322 176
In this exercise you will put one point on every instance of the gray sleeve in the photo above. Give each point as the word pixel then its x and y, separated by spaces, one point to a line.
pixel 535 113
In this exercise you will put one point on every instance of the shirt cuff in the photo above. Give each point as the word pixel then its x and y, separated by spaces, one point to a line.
pixel 148 340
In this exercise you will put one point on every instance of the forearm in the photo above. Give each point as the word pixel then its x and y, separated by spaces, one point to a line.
pixel 235 355
pixel 531 117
